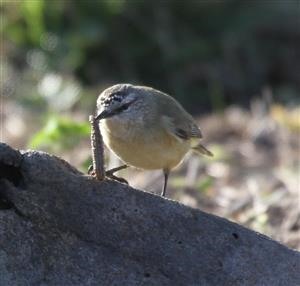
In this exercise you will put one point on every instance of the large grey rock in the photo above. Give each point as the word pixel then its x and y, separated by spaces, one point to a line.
pixel 60 227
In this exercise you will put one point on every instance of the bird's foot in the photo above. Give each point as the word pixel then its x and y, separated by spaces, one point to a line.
pixel 110 173
pixel 119 179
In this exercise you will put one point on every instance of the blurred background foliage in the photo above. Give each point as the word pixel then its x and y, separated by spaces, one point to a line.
pixel 234 64
pixel 206 53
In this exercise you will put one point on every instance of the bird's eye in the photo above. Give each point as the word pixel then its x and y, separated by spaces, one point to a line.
pixel 123 107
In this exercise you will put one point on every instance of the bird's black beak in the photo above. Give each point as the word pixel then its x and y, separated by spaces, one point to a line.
pixel 104 114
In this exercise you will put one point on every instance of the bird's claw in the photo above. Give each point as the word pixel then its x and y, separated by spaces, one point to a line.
pixel 90 170
pixel 115 178
pixel 110 174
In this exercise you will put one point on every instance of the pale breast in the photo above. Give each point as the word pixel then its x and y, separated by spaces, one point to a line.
pixel 145 148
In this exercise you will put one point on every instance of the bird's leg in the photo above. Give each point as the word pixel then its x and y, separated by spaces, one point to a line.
pixel 110 174
pixel 166 176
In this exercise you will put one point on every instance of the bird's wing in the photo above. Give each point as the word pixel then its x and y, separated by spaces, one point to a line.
pixel 175 119
pixel 181 129
pixel 181 133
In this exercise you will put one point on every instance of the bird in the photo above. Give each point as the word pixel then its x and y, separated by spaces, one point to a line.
pixel 146 128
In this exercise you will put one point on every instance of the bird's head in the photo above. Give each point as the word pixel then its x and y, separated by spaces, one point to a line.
pixel 116 100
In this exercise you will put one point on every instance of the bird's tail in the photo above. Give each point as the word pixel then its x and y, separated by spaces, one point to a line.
pixel 200 149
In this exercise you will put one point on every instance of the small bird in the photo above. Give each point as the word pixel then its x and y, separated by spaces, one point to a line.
pixel 147 128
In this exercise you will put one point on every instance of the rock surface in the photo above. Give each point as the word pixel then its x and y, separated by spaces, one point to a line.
pixel 61 227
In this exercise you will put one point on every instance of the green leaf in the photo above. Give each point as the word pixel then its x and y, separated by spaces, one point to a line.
pixel 60 134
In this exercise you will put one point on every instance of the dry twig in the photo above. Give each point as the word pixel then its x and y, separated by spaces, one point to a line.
pixel 97 150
